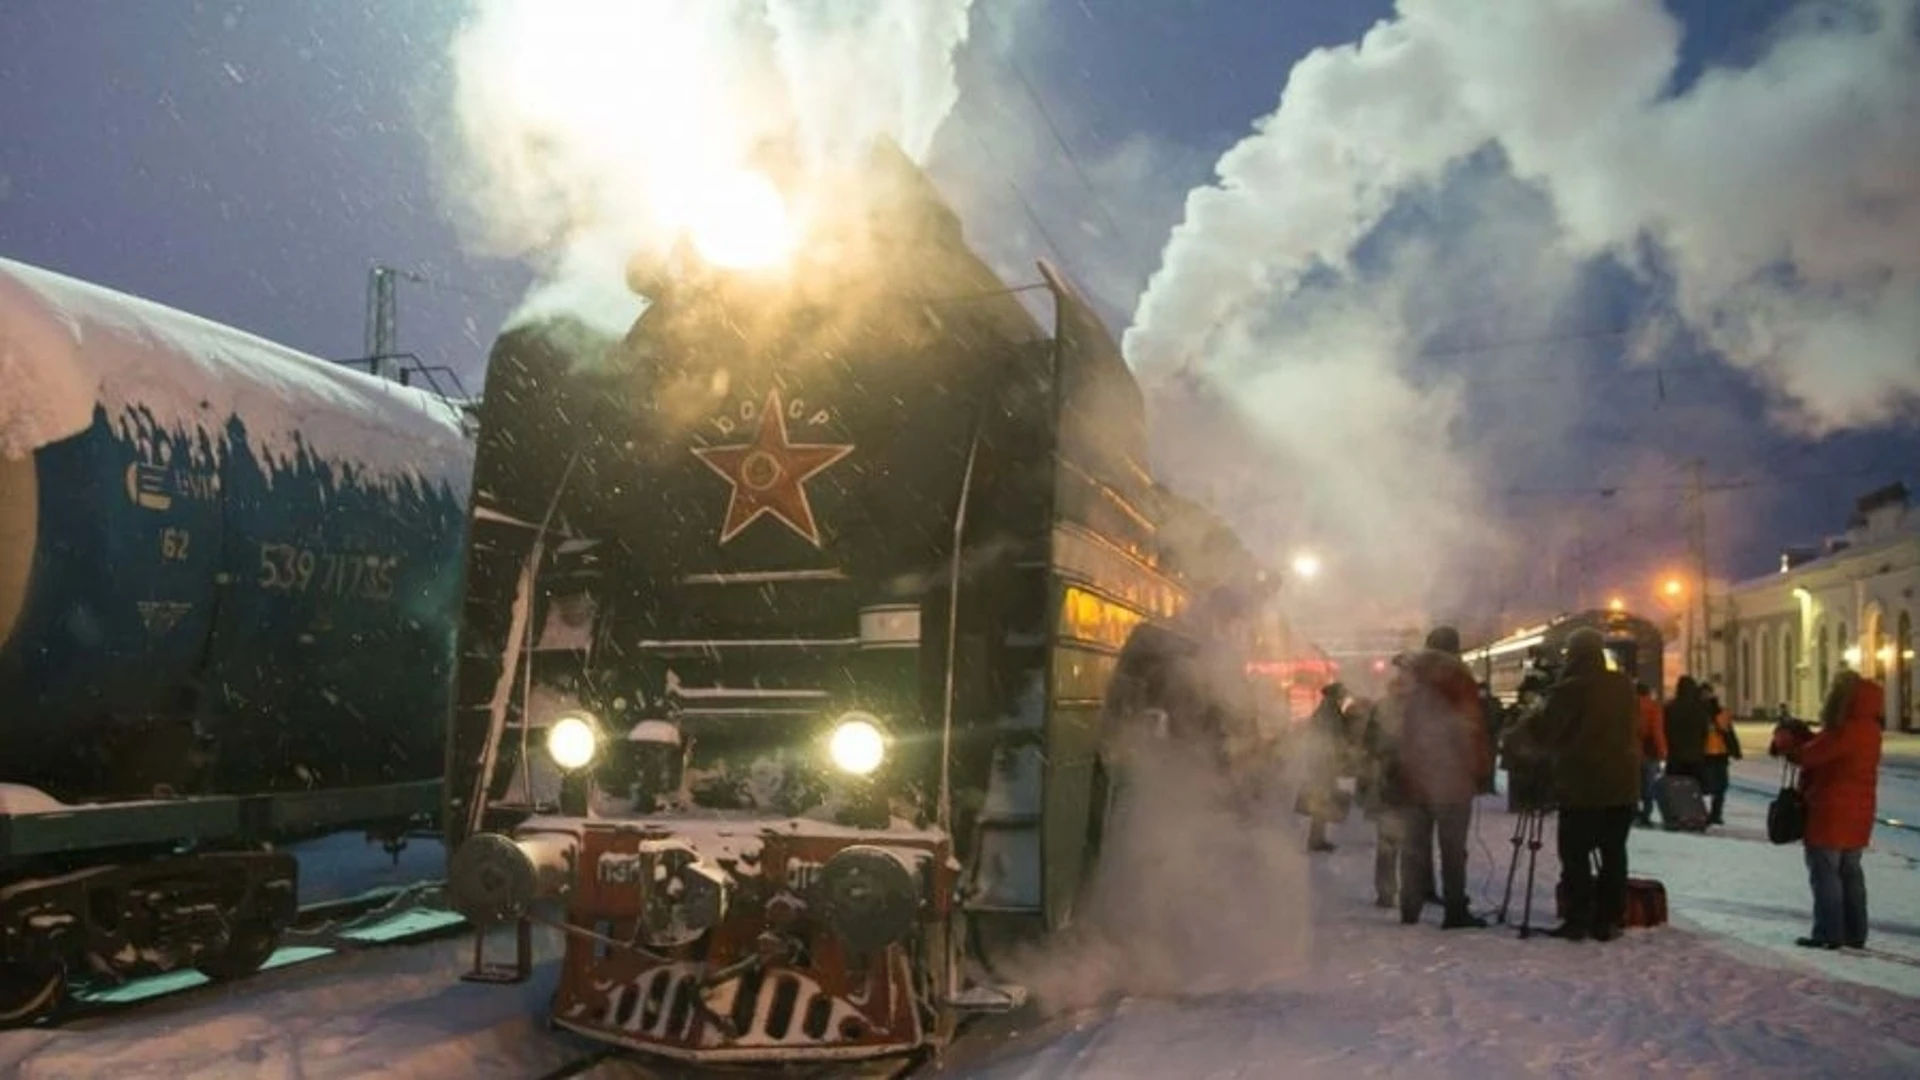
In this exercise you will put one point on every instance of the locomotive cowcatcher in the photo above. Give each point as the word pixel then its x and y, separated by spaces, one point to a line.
pixel 789 630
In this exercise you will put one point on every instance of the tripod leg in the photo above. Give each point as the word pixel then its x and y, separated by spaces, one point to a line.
pixel 1513 866
pixel 1533 859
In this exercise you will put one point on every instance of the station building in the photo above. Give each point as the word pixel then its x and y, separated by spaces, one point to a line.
pixel 1851 602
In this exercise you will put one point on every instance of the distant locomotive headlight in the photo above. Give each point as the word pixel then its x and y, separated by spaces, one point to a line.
pixel 857 744
pixel 868 897
pixel 572 741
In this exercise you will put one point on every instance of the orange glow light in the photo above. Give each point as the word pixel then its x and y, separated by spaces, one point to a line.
pixel 1673 587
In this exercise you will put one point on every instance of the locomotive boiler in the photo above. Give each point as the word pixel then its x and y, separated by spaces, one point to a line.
pixel 228 587
pixel 796 622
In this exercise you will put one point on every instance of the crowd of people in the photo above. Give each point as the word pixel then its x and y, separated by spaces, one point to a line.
pixel 1601 753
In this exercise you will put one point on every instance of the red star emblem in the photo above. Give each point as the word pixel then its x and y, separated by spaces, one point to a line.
pixel 769 475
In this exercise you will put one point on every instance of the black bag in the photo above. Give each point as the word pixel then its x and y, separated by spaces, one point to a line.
pixel 1787 815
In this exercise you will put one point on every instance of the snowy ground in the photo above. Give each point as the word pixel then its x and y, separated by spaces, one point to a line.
pixel 1721 992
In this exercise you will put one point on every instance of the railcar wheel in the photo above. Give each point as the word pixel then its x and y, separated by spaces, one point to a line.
pixel 250 945
pixel 27 994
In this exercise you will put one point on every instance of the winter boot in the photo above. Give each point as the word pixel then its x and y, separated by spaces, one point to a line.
pixel 1463 920
pixel 1568 932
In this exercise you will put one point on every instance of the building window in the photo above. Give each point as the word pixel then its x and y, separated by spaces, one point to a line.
pixel 1820 660
pixel 1745 676
pixel 1789 672
pixel 1767 660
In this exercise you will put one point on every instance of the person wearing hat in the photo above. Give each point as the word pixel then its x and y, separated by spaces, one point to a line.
pixel 1591 728
pixel 1319 795
pixel 1443 759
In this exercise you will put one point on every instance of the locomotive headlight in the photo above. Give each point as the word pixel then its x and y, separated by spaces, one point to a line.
pixel 857 744
pixel 572 741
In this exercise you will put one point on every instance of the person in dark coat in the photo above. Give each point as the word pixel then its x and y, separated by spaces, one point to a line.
pixel 1687 722
pixel 1326 736
pixel 1591 728
pixel 1442 760
pixel 1840 777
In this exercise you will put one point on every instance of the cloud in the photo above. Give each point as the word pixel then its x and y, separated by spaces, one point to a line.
pixel 1776 206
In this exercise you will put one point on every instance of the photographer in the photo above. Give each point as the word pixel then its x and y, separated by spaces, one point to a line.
pixel 1591 731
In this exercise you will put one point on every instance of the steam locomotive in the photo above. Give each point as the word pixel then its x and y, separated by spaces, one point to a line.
pixel 228 588
pixel 798 625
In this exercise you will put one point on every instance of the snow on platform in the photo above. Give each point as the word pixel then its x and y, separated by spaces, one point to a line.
pixel 1722 992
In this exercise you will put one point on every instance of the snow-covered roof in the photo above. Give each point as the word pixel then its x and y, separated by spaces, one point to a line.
pixel 68 346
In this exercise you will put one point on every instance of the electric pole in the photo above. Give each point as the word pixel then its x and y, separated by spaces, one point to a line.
pixel 383 329
pixel 1702 657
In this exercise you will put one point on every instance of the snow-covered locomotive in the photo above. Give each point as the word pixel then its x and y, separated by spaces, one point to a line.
pixel 229 578
pixel 792 626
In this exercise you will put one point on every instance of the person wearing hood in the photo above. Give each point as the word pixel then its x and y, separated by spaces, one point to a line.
pixel 1687 720
pixel 1840 778
pixel 1591 730
pixel 1442 759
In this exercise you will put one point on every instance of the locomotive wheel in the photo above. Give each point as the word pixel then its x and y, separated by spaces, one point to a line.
pixel 27 995
pixel 250 945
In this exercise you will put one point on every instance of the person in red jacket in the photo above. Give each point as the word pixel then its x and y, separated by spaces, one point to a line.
pixel 1839 775
pixel 1653 748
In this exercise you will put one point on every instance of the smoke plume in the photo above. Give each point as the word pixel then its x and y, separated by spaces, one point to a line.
pixel 1775 208
pixel 590 129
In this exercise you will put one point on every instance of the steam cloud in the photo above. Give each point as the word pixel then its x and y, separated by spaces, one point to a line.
pixel 1777 205
pixel 586 126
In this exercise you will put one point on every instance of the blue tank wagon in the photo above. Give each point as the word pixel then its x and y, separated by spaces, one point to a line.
pixel 229 583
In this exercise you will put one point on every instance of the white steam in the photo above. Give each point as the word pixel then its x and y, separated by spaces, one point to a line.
pixel 1195 892
pixel 591 129
pixel 1778 204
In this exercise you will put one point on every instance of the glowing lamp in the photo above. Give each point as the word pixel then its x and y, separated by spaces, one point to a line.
pixel 857 744
pixel 572 741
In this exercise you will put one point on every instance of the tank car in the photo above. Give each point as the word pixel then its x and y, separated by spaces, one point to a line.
pixel 794 624
pixel 229 576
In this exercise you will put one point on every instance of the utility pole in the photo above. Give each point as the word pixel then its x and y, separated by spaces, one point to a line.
pixel 1703 635
pixel 383 329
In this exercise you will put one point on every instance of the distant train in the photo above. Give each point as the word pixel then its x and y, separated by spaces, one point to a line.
pixel 1633 645
pixel 796 625
pixel 229 582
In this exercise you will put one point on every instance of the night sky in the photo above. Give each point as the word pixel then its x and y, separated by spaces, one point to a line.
pixel 249 161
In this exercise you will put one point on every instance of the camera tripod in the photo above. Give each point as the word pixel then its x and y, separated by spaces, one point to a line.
pixel 1528 828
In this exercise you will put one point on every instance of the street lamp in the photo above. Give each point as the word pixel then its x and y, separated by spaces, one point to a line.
pixel 1307 565
pixel 1673 588
pixel 1616 604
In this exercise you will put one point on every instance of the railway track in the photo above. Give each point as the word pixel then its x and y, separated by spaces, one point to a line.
pixel 388 916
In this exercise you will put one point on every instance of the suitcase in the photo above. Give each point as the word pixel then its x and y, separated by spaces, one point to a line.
pixel 1646 902
pixel 1682 807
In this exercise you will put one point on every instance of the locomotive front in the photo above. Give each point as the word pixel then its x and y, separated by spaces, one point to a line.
pixel 706 683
